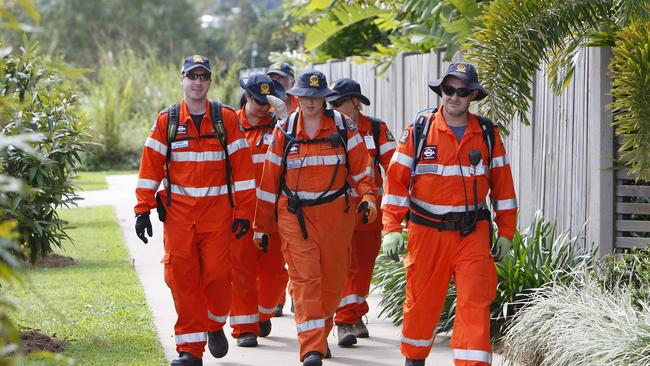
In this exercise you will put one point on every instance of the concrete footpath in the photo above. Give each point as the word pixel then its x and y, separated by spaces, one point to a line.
pixel 281 347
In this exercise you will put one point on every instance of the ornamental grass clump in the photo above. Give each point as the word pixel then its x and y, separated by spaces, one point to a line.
pixel 580 324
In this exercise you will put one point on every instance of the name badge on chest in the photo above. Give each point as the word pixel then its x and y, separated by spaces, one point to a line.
pixel 180 144
pixel 370 142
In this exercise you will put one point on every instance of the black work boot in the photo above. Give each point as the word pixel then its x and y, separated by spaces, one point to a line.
pixel 186 359
pixel 346 335
pixel 411 362
pixel 265 328
pixel 247 340
pixel 312 359
pixel 217 343
pixel 278 310
pixel 360 330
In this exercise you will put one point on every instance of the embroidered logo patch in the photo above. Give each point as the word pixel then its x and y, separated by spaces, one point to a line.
pixel 181 130
pixel 404 137
pixel 389 136
pixel 294 149
pixel 430 152
pixel 313 81
pixel 351 125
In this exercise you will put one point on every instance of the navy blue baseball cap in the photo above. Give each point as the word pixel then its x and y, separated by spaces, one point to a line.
pixel 311 83
pixel 280 68
pixel 346 88
pixel 465 72
pixel 194 61
pixel 260 85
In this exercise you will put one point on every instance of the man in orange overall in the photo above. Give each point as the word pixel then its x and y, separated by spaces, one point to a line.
pixel 441 173
pixel 315 157
pixel 367 237
pixel 257 276
pixel 203 158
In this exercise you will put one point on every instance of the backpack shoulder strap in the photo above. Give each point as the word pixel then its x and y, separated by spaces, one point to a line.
pixel 173 116
pixel 420 131
pixel 216 115
pixel 487 128
pixel 375 125
pixel 341 124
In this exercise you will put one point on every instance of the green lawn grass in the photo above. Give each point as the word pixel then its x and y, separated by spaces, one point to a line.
pixel 98 305
pixel 94 181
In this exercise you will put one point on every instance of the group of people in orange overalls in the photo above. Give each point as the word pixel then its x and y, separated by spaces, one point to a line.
pixel 286 191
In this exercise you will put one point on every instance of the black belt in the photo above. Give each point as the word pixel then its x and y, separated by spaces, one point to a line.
pixel 452 225
pixel 295 204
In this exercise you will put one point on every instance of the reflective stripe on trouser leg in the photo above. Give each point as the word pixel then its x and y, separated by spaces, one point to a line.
pixel 317 267
pixel 353 305
pixel 187 266
pixel 428 271
pixel 244 317
pixel 476 280
pixel 271 283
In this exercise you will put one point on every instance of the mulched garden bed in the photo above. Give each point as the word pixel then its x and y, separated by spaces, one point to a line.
pixel 52 261
pixel 35 341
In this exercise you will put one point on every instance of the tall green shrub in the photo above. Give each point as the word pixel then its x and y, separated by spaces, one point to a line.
pixel 538 255
pixel 122 101
pixel 40 98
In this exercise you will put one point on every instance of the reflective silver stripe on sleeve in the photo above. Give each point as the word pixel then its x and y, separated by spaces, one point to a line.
pixel 391 199
pixel 148 184
pixel 266 196
pixel 156 145
pixel 500 161
pixel 273 158
pixel 403 159
pixel 444 209
pixel 354 193
pixel 217 318
pixel 472 355
pixel 390 145
pixel 242 185
pixel 244 319
pixel 310 324
pixel 505 204
pixel 236 145
pixel 264 310
pixel 364 173
pixel 354 141
pixel 191 338
pixel 352 299
pixel 417 342
pixel 201 156
pixel 258 158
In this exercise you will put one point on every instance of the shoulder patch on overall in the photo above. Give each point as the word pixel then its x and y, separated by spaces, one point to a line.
pixel 350 125
pixel 389 135
pixel 404 137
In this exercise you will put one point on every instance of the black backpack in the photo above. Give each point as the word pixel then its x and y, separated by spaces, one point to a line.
pixel 375 125
pixel 220 134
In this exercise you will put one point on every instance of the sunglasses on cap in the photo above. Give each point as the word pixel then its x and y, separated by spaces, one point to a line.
pixel 450 91
pixel 339 102
pixel 202 77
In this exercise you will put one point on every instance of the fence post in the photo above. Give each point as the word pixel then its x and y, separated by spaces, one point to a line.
pixel 601 150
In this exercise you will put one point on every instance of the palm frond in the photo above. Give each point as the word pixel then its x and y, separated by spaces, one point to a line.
pixel 517 36
pixel 630 68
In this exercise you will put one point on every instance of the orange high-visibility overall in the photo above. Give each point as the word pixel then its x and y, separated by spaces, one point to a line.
pixel 366 239
pixel 444 178
pixel 198 224
pixel 318 265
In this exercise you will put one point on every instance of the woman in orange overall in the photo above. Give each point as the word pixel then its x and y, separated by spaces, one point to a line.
pixel 315 157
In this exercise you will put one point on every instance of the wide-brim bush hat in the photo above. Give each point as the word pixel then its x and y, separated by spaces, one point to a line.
pixel 465 72
pixel 259 86
pixel 347 88
pixel 194 61
pixel 280 68
pixel 311 83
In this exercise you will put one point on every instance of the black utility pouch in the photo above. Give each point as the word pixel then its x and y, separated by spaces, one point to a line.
pixel 293 204
pixel 160 208
pixel 467 225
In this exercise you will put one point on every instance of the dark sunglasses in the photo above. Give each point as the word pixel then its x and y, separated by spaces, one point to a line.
pixel 202 77
pixel 338 103
pixel 461 92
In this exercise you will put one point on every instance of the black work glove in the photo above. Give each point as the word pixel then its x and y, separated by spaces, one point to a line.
pixel 142 222
pixel 242 225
